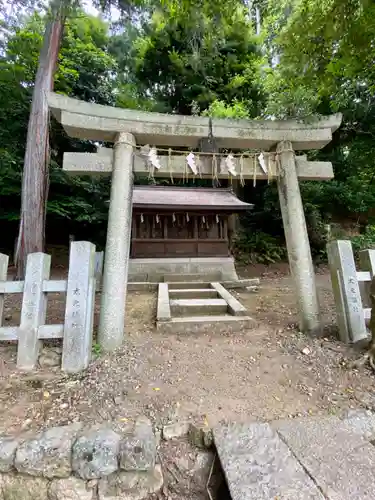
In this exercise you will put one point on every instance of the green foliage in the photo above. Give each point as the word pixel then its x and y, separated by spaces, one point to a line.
pixel 312 57
pixel 192 57
pixel 220 109
pixel 85 71
pixel 365 240
pixel 259 247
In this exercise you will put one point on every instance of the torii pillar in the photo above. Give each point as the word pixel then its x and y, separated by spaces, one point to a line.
pixel 116 262
pixel 126 128
pixel 297 240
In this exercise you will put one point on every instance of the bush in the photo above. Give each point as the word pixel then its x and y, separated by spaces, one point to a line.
pixel 250 247
pixel 364 241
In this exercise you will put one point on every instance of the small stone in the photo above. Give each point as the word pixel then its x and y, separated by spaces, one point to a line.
pixel 26 424
pixel 306 351
pixel 176 430
pixel 18 487
pixel 49 358
pixel 200 435
pixel 95 453
pixel 157 437
pixel 138 449
pixel 201 470
pixel 64 406
pixel 131 485
pixel 70 488
pixel 8 447
pixel 48 454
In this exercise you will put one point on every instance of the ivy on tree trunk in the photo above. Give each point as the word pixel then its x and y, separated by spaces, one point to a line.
pixel 35 179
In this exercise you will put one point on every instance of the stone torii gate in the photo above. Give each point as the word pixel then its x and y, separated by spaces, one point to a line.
pixel 129 128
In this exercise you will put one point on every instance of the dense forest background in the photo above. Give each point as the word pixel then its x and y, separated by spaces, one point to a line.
pixel 261 59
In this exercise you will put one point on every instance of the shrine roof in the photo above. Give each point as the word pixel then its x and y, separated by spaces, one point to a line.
pixel 185 198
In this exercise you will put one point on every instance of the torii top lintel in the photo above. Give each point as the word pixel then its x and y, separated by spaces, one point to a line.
pixel 85 120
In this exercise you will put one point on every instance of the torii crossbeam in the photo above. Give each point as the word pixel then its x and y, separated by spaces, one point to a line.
pixel 129 128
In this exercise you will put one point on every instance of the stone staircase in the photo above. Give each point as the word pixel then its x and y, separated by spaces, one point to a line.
pixel 317 458
pixel 199 306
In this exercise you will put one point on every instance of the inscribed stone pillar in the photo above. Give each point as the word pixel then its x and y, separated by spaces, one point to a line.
pixel 297 241
pixel 116 258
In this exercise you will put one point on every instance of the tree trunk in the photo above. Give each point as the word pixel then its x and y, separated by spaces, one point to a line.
pixel 35 179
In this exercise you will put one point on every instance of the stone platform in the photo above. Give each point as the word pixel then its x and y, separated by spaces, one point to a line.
pixel 300 459
pixel 208 268
pixel 191 307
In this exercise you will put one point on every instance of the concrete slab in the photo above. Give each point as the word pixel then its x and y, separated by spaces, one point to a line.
pixel 192 277
pixel 258 465
pixel 207 324
pixel 178 285
pixel 163 310
pixel 196 293
pixel 341 461
pixel 234 306
pixel 188 307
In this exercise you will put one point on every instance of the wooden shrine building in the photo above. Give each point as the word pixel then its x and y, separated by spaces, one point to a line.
pixel 182 222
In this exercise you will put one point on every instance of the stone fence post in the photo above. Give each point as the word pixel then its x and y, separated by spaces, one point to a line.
pixel 34 308
pixel 79 311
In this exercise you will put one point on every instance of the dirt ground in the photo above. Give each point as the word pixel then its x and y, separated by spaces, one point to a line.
pixel 269 372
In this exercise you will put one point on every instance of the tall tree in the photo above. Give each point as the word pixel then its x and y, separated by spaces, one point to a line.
pixel 35 179
pixel 35 173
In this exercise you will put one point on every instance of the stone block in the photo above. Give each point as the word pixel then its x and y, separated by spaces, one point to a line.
pixel 18 487
pixel 47 454
pixel 163 309
pixel 50 357
pixel 79 310
pixel 234 306
pixel 131 485
pixel 8 447
pixel 341 461
pixel 138 449
pixel 176 430
pixel 33 313
pixel 348 302
pixel 95 453
pixel 258 465
pixel 70 488
pixel 202 307
pixel 361 422
pixel 200 435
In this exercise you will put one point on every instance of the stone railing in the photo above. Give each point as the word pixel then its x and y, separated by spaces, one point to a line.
pixel 76 463
pixel 77 330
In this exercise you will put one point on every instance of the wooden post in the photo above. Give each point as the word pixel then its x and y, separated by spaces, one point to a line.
pixel 79 311
pixel 34 308
pixel 350 316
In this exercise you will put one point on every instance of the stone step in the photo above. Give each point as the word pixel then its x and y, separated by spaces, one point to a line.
pixel 179 285
pixel 199 277
pixel 258 465
pixel 207 324
pixel 190 307
pixel 196 293
pixel 312 458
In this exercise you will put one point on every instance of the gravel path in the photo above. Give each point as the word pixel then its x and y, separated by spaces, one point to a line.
pixel 265 373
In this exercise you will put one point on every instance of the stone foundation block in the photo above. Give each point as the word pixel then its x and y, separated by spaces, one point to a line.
pixel 48 454
pixel 95 453
pixel 131 485
pixel 70 488
pixel 18 487
pixel 138 449
pixel 8 447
